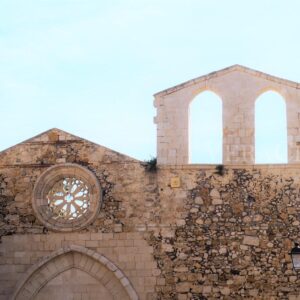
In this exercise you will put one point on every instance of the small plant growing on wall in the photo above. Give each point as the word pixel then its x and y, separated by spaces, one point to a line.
pixel 220 170
pixel 151 164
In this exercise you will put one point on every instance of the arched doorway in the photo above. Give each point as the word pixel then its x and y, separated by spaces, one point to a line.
pixel 72 272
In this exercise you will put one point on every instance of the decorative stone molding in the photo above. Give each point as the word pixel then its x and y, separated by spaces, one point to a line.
pixel 74 256
pixel 66 197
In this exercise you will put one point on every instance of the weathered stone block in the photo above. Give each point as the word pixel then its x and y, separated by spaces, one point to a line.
pixel 183 287
pixel 251 241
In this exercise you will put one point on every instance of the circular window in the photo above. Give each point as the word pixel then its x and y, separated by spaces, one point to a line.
pixel 66 197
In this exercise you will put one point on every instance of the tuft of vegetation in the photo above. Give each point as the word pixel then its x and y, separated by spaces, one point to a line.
pixel 151 164
pixel 220 170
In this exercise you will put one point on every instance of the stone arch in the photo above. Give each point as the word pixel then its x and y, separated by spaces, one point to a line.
pixel 205 128
pixel 78 257
pixel 199 91
pixel 269 88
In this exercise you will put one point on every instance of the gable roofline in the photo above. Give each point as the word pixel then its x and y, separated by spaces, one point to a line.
pixel 224 71
pixel 28 141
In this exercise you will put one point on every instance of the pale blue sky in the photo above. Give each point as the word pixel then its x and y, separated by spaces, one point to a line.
pixel 90 67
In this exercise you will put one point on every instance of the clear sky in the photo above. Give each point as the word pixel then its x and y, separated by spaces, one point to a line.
pixel 90 67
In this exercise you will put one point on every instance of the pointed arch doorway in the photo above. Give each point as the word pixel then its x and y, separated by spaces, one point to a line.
pixel 75 272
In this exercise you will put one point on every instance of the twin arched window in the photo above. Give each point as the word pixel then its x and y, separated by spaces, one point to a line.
pixel 206 130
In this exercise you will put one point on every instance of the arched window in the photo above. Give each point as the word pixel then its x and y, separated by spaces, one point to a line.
pixel 205 130
pixel 270 129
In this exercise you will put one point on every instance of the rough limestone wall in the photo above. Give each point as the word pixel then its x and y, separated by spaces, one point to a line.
pixel 17 185
pixel 217 236
pixel 118 232
pixel 230 235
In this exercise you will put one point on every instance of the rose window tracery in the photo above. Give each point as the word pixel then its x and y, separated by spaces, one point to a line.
pixel 69 198
pixel 66 197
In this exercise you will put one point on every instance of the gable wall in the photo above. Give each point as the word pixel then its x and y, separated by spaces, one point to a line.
pixel 118 231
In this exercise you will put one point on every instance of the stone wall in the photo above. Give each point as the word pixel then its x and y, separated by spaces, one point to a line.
pixel 230 235
pixel 180 232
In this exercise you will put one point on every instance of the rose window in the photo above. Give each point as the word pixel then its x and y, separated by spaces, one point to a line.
pixel 69 198
pixel 66 197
